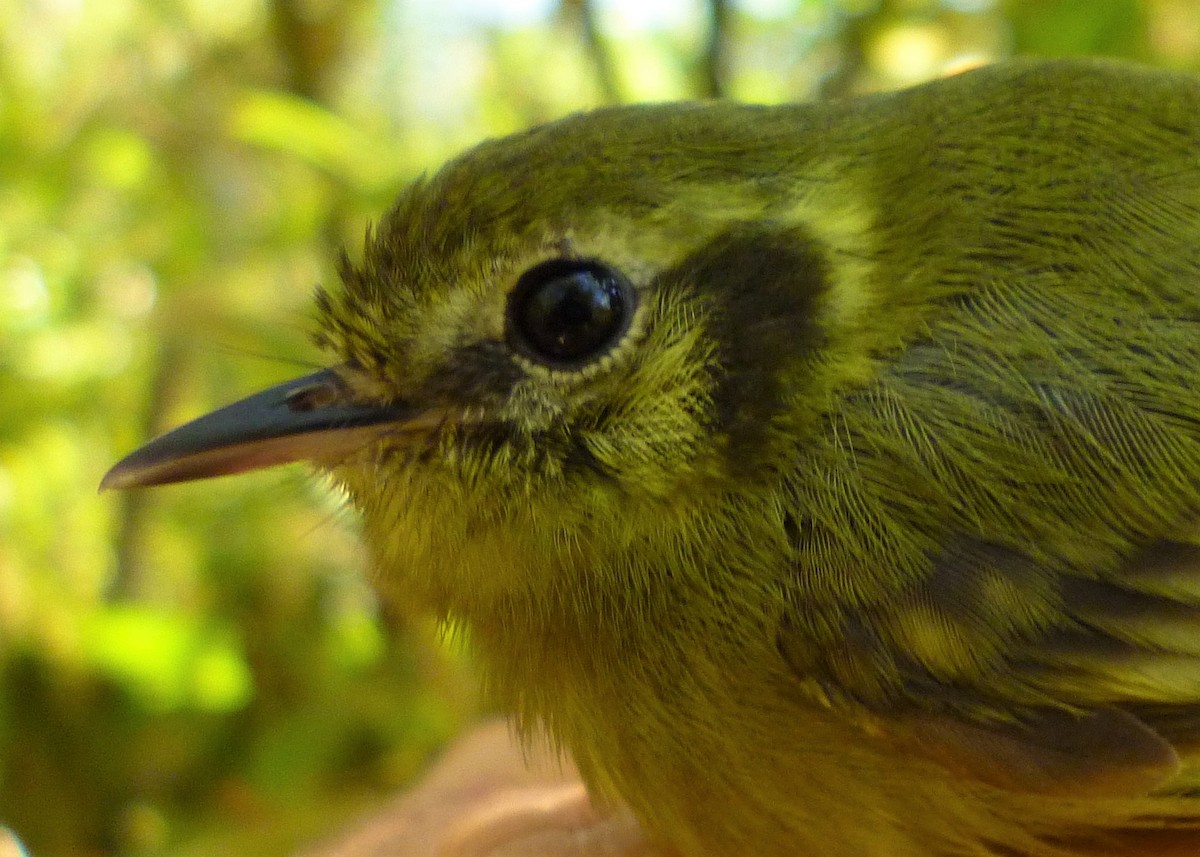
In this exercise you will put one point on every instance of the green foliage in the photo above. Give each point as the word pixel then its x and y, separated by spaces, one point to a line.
pixel 205 669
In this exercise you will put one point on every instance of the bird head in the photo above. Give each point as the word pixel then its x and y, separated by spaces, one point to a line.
pixel 558 346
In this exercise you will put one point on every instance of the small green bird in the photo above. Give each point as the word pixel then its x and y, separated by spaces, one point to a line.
pixel 826 479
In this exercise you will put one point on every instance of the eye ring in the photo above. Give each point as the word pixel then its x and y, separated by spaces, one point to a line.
pixel 567 313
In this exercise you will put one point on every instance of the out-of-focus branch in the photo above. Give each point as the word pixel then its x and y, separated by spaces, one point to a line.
pixel 308 48
pixel 714 66
pixel 853 38
pixel 128 581
pixel 305 47
pixel 581 14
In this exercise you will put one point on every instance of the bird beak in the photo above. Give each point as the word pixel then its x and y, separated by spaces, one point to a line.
pixel 309 418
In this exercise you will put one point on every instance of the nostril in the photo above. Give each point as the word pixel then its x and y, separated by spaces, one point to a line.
pixel 313 397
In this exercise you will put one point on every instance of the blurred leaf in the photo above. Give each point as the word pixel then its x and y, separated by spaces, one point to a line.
pixel 170 661
pixel 297 126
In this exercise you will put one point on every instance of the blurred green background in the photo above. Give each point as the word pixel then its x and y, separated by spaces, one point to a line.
pixel 204 669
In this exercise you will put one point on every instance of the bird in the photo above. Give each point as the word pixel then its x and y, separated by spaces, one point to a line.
pixel 823 478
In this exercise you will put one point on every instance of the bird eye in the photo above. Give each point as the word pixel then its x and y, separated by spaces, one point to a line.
pixel 568 311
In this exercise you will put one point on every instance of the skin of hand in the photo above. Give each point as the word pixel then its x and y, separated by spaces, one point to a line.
pixel 823 478
pixel 10 846
pixel 491 797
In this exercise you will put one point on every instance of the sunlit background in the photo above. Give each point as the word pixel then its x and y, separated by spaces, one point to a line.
pixel 204 669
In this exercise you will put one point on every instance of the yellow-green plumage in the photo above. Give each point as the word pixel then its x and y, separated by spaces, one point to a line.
pixel 875 534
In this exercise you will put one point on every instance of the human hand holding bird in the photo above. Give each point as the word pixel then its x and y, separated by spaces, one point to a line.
pixel 490 797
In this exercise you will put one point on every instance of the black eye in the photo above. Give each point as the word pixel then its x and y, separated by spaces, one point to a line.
pixel 568 312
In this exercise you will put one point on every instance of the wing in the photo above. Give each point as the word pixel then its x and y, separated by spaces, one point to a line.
pixel 1103 700
pixel 996 540
pixel 1007 579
